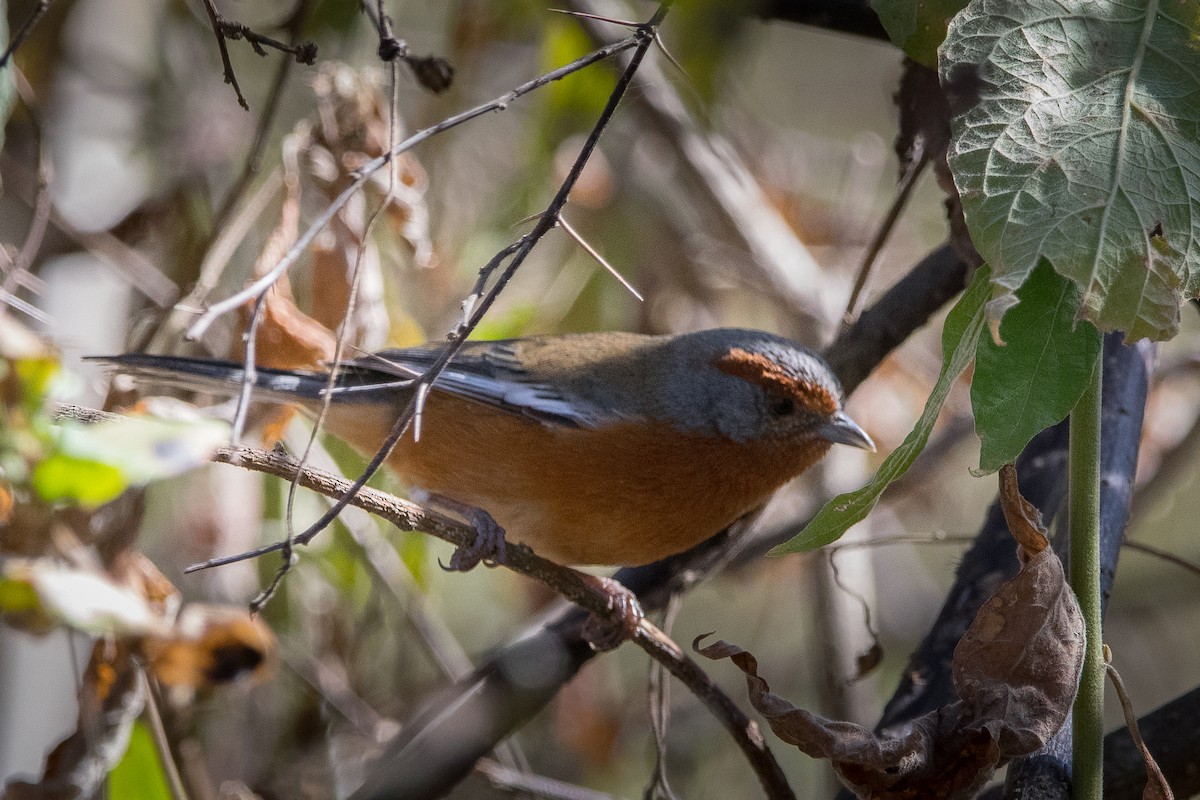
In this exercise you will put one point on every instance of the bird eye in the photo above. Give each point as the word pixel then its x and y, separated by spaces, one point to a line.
pixel 782 406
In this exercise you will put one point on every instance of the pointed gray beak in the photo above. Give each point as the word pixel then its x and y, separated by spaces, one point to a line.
pixel 840 429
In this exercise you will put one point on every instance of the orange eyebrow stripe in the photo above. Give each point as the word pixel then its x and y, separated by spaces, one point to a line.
pixel 760 370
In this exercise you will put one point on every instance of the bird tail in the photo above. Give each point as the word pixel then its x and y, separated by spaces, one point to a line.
pixel 223 377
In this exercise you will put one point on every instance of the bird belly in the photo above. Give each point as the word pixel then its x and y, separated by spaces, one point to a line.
pixel 624 494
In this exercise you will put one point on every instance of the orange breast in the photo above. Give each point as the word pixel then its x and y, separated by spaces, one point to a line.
pixel 623 494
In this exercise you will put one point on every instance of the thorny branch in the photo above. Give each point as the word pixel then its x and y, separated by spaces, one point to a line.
pixel 225 28
pixel 261 133
pixel 433 72
pixel 478 301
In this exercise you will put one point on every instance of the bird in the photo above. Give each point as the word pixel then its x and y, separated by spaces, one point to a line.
pixel 605 448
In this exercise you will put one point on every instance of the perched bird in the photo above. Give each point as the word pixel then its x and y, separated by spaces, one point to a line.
pixel 595 448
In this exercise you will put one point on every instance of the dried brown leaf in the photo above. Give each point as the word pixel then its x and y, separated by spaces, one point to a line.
pixel 1016 671
pixel 211 645
pixel 1017 667
pixel 1023 518
pixel 940 756
pixel 288 338
pixel 1157 787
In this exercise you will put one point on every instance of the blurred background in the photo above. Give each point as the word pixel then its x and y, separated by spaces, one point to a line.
pixel 739 185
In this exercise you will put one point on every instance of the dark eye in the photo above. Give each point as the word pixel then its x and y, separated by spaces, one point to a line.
pixel 782 406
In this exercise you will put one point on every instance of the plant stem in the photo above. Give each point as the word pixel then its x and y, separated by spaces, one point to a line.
pixel 1088 720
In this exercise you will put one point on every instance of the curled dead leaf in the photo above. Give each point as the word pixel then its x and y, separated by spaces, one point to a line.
pixel 1157 787
pixel 1016 671
pixel 1023 518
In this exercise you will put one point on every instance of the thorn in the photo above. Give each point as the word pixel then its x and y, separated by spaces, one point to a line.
pixel 591 251
pixel 667 53
pixel 422 393
pixel 597 17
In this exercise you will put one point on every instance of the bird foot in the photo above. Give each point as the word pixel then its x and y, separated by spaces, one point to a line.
pixel 489 547
pixel 608 632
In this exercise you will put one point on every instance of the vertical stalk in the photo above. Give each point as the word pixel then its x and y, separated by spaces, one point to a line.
pixel 1088 719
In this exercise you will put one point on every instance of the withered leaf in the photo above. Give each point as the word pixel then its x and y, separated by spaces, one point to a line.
pixel 938 757
pixel 1017 667
pixel 1157 787
pixel 211 645
pixel 1016 671
pixel 1023 518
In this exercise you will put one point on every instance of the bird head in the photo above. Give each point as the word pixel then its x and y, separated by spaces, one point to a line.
pixel 760 385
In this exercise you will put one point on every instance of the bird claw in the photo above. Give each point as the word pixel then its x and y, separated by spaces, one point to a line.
pixel 603 633
pixel 489 546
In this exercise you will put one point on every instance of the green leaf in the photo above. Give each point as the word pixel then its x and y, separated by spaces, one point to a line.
pixel 959 336
pixel 87 482
pixel 1075 141
pixel 140 774
pixel 917 26
pixel 1036 378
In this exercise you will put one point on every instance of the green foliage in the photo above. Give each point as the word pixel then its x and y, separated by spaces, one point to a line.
pixel 1037 376
pixel 68 462
pixel 140 774
pixel 86 482
pixel 917 26
pixel 1075 141
pixel 961 332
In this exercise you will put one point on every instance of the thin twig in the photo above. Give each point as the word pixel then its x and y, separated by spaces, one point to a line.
pixel 1165 555
pixel 518 251
pixel 225 28
pixel 266 120
pixel 660 711
pixel 34 17
pixel 215 19
pixel 162 744
pixel 374 165
pixel 510 780
pixel 1156 782
pixel 915 167
pixel 343 332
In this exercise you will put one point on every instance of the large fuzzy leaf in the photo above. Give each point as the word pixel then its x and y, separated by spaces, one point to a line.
pixel 1075 140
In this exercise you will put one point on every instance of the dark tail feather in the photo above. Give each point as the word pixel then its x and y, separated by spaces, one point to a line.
pixel 225 377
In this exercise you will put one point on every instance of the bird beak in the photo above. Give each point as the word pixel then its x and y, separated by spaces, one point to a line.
pixel 840 429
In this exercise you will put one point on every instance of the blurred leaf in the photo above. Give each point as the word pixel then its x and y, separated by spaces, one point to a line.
pixel 211 645
pixel 1075 141
pixel 37 377
pixel 919 27
pixel 65 478
pixel 511 323
pixel 85 601
pixel 333 16
pixel 1038 375
pixel 17 596
pixel 139 775
pixel 960 334
pixel 144 449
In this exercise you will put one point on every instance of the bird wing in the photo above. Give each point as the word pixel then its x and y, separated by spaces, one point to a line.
pixel 491 373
